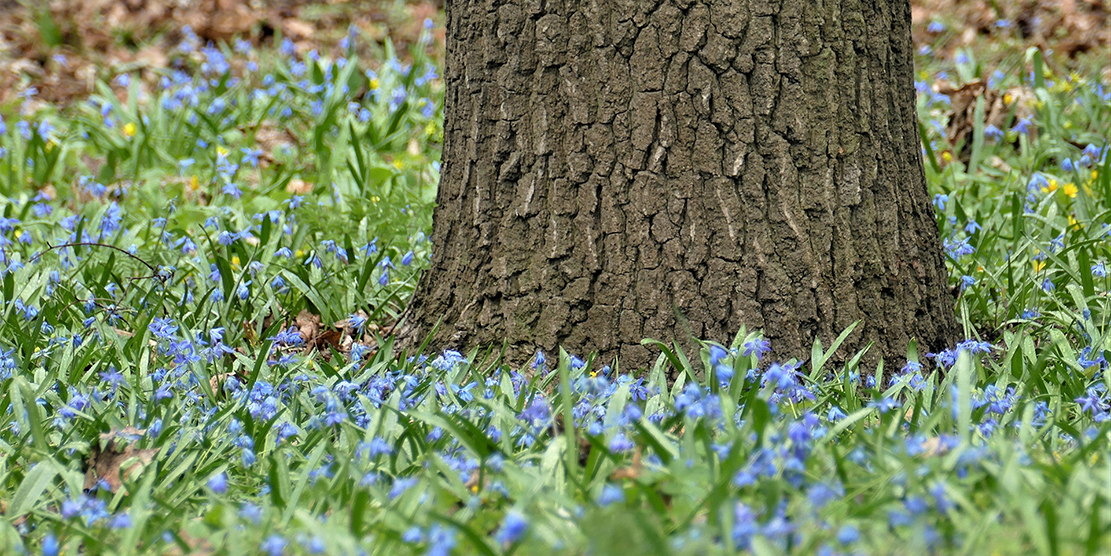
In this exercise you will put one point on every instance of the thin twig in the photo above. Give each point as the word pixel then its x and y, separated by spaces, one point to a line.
pixel 153 270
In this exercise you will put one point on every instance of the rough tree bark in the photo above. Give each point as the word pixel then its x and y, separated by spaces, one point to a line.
pixel 623 169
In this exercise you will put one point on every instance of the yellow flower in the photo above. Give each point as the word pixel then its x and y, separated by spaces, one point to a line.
pixel 130 129
pixel 1051 187
pixel 373 84
pixel 1038 266
pixel 300 253
pixel 947 156
pixel 1008 98
pixel 194 183
pixel 1070 189
pixel 1074 223
pixel 235 261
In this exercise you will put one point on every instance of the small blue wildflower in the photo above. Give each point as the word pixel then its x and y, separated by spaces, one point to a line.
pixel 274 545
pixel 958 248
pixel 401 485
pixel 513 528
pixel 848 534
pixel 219 483
pixel 611 495
pixel 120 521
pixel 757 347
pixel 884 405
pixel 50 546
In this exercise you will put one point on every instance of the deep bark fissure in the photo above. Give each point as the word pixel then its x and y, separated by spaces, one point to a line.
pixel 616 170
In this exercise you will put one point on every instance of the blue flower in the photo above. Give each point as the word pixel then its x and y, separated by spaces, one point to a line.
pixel 1093 402
pixel 513 528
pixel 402 485
pixel 413 535
pixel 219 483
pixel 120 521
pixel 884 405
pixel 250 156
pixel 274 545
pixel 821 494
pixel 440 540
pixel 758 347
pixel 1093 152
pixel 621 443
pixel 957 248
pixel 848 534
pixel 50 545
pixel 611 495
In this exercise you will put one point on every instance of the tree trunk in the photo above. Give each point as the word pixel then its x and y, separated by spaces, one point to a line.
pixel 623 169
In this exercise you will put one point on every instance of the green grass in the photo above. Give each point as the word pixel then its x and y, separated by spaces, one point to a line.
pixel 175 311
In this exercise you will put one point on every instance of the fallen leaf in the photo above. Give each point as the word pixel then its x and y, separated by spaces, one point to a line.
pixel 308 325
pixel 298 187
pixel 113 461
pixel 297 29
pixel 932 447
pixel 633 471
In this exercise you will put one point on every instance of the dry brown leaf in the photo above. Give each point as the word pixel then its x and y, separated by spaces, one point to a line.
pixel 308 325
pixel 216 380
pixel 113 461
pixel 331 338
pixel 297 29
pixel 998 106
pixel 999 164
pixel 225 24
pixel 633 471
pixel 933 447
pixel 297 186
pixel 197 547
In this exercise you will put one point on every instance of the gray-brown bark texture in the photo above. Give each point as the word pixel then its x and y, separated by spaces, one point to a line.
pixel 623 169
